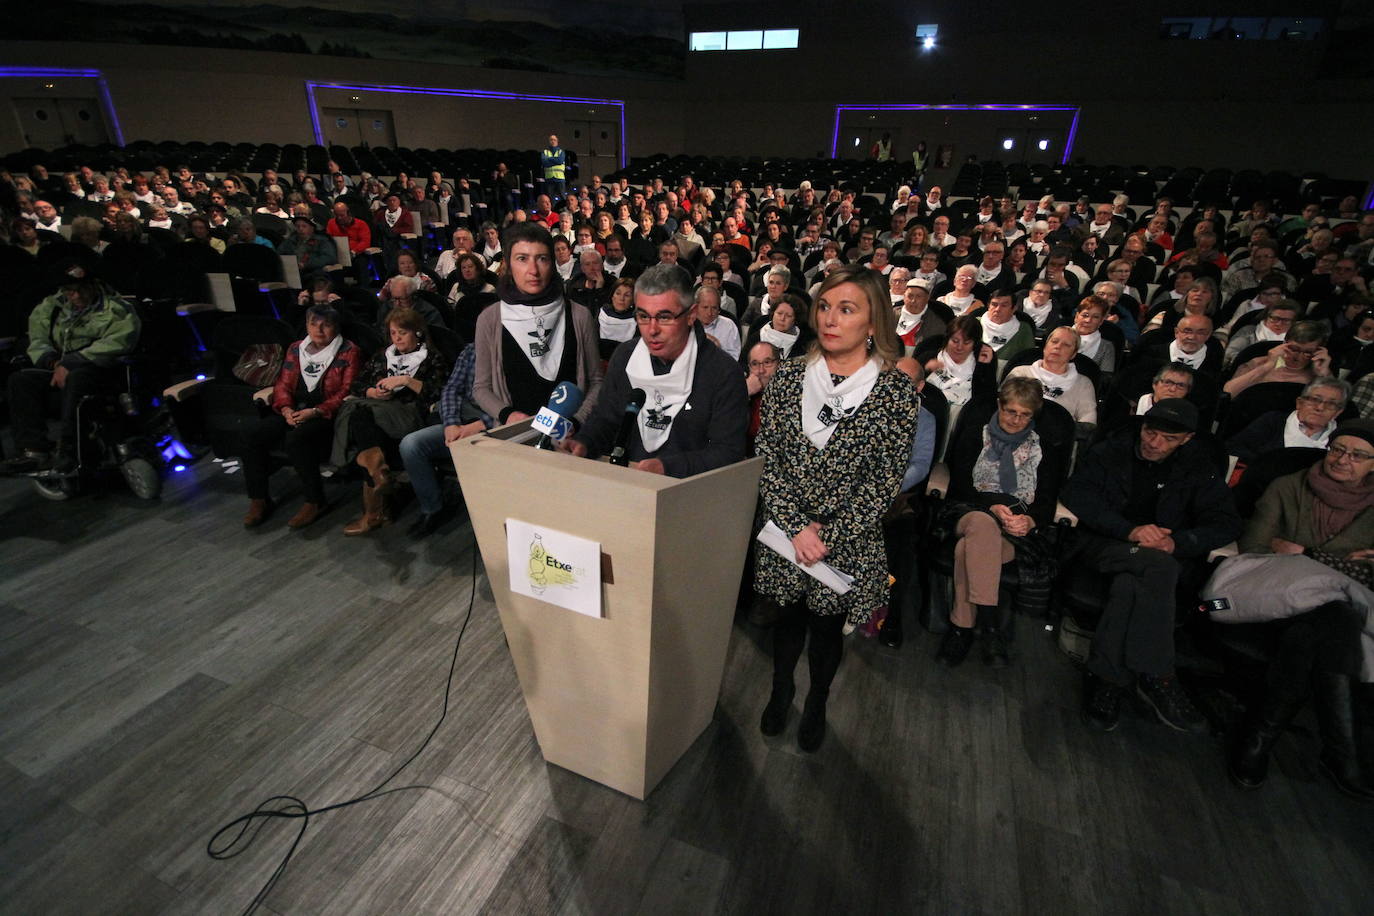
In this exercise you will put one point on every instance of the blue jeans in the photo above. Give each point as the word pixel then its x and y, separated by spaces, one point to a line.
pixel 419 451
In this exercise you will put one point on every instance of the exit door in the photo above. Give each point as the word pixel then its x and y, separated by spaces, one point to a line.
pixel 597 144
pixel 48 123
pixel 365 127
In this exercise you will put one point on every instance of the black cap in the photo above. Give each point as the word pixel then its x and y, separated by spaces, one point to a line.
pixel 1361 429
pixel 1172 415
pixel 301 217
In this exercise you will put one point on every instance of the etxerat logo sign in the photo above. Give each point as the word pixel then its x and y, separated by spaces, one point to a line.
pixel 555 567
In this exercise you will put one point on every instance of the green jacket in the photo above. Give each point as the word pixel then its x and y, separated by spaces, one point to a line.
pixel 100 334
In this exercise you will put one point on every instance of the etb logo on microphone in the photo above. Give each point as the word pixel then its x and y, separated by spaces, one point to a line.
pixel 549 422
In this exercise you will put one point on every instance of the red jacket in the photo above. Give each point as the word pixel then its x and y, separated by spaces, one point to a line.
pixel 403 225
pixel 358 233
pixel 337 379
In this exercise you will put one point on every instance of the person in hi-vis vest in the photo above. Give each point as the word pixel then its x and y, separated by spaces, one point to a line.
pixel 555 163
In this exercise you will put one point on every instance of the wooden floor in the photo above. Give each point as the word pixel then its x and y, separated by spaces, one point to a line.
pixel 162 671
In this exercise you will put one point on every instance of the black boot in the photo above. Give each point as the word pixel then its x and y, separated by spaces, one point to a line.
pixel 891 632
pixel 954 648
pixel 1248 763
pixel 995 635
pixel 811 731
pixel 775 714
pixel 1336 719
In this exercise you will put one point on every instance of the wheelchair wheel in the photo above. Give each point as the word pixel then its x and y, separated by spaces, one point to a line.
pixel 58 489
pixel 142 476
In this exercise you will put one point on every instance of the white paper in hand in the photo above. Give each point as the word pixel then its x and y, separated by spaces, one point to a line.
pixel 773 537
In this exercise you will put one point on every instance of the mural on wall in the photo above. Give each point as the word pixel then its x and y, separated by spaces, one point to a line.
pixel 639 38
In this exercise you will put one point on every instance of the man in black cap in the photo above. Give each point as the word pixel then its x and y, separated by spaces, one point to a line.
pixel 1151 505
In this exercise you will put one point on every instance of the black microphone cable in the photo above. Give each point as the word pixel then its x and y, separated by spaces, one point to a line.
pixel 290 807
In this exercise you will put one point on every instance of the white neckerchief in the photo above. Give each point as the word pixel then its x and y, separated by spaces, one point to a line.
pixel 907 322
pixel 931 278
pixel 405 363
pixel 538 331
pixel 1056 386
pixel 1194 360
pixel 156 223
pixel 1099 231
pixel 984 275
pixel 490 253
pixel 1294 437
pixel 825 404
pixel 313 365
pixel 998 336
pixel 957 304
pixel 614 327
pixel 1147 400
pixel 392 217
pixel 1037 313
pixel 1088 344
pixel 613 269
pixel 954 379
pixel 783 342
pixel 1263 333
pixel 666 394
pixel 1037 247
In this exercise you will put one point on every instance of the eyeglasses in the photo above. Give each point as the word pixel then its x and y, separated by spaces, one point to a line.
pixel 1323 403
pixel 1016 414
pixel 761 363
pixel 1340 451
pixel 1174 383
pixel 664 319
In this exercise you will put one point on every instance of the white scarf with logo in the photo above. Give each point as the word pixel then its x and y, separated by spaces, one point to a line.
pixel 957 304
pixel 398 363
pixel 782 341
pixel 1037 313
pixel 666 394
pixel 539 332
pixel 313 365
pixel 614 327
pixel 1294 437
pixel 907 322
pixel 985 275
pixel 1088 344
pixel 998 336
pixel 954 379
pixel 825 404
pixel 1055 385
pixel 1195 360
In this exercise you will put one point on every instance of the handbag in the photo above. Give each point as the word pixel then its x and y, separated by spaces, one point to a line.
pixel 259 365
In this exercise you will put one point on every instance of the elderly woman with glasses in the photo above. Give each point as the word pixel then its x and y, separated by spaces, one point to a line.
pixel 1325 513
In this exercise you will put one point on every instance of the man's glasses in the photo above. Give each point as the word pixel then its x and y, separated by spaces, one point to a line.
pixel 1340 451
pixel 1323 403
pixel 762 363
pixel 664 319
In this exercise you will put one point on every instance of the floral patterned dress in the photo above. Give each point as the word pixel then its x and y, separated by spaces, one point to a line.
pixel 847 486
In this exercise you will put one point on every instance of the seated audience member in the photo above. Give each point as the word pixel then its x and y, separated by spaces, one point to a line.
pixel 393 223
pixel 1327 513
pixel 400 293
pixel 317 375
pixel 1199 299
pixel 897 279
pixel 1278 319
pixel 1172 380
pixel 1192 344
pixel 697 409
pixel 616 318
pixel 87 231
pixel 782 327
pixel 244 232
pixel 929 270
pixel 721 331
pixel 393 396
pixel 962 300
pixel 463 243
pixel 1087 322
pixel 470 278
pixel 24 235
pixel 960 365
pixel 713 276
pixel 916 322
pixel 1354 339
pixel 420 450
pixel 1151 505
pixel 775 280
pixel 1063 385
pixel 991 274
pixel 591 286
pixel 1268 292
pixel 1308 426
pixel 1003 485
pixel 76 339
pixel 764 359
pixel 1041 310
pixel 313 253
pixel 1263 265
pixel 1300 358
pixel 1003 329
pixel 491 243
pixel 534 338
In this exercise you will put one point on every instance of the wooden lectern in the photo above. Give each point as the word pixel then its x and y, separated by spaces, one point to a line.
pixel 619 698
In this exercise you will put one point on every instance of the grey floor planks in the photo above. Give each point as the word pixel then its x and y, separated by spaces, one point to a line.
pixel 162 671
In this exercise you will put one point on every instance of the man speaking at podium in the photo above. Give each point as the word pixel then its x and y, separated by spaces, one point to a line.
pixel 696 407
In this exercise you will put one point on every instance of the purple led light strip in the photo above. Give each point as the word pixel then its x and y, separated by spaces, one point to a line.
pixel 991 106
pixel 106 103
pixel 312 85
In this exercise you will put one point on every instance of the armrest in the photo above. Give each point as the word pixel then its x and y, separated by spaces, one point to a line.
pixel 372 251
pixel 1224 551
pixel 937 484
pixel 271 285
pixel 183 390
pixel 1062 516
pixel 194 308
pixel 263 395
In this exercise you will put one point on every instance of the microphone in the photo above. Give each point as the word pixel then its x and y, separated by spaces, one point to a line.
pixel 628 419
pixel 553 421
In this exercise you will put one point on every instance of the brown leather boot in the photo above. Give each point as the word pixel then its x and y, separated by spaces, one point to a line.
pixel 373 460
pixel 258 510
pixel 307 514
pixel 374 514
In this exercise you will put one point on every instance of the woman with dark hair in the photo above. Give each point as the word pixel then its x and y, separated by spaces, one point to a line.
pixel 783 327
pixel 471 278
pixel 1201 298
pixel 960 364
pixel 616 319
pixel 315 378
pixel 835 436
pixel 393 396
pixel 1003 486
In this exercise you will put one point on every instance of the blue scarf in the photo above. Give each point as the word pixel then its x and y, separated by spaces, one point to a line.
pixel 1001 445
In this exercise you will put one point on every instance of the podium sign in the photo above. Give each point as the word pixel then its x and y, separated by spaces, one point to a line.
pixel 619 697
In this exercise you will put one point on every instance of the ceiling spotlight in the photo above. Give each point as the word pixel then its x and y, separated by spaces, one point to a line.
pixel 1008 143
